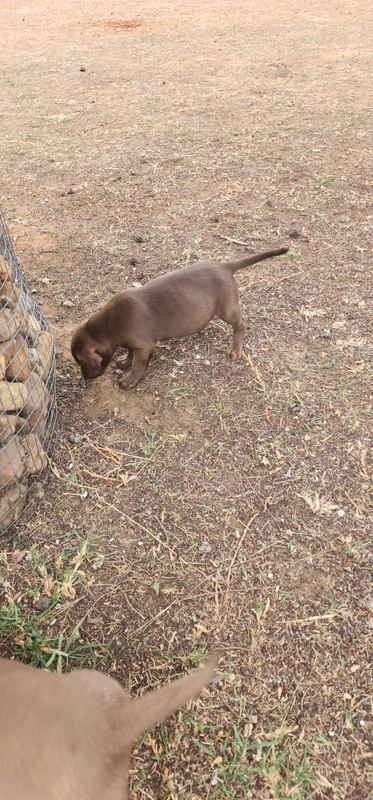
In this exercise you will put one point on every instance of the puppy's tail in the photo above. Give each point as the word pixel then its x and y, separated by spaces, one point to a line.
pixel 234 266
pixel 154 707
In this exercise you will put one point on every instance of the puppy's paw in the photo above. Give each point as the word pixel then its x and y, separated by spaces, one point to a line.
pixel 233 353
pixel 129 382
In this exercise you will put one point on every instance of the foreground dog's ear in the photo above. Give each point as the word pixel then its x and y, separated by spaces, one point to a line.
pixel 154 707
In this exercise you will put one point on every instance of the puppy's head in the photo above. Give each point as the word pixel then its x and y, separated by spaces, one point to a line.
pixel 92 357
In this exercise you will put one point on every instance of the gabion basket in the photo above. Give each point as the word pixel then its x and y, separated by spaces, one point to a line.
pixel 28 416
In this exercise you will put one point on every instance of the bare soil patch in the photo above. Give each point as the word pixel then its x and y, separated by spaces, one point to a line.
pixel 215 504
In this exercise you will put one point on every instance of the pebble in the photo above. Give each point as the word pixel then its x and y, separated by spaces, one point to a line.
pixel 75 438
pixel 43 603
pixel 205 548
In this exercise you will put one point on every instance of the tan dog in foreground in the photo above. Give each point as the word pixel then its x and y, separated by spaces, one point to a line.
pixel 177 304
pixel 69 737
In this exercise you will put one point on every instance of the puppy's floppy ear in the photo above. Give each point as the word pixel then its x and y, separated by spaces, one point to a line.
pixel 94 358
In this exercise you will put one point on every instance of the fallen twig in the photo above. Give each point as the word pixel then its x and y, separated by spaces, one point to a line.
pixel 217 576
pixel 103 450
pixel 160 613
pixel 235 241
pixel 235 554
pixel 311 619
pixel 249 285
pixel 110 212
pixel 123 479
pixel 272 283
pixel 134 522
pixel 286 277
pixel 255 370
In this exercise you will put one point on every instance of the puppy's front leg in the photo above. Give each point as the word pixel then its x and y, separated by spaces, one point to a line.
pixel 140 363
pixel 125 361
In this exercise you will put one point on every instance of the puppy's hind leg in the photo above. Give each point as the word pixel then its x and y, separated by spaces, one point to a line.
pixel 235 319
pixel 140 363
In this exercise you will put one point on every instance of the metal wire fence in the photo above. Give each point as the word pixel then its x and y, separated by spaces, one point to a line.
pixel 28 415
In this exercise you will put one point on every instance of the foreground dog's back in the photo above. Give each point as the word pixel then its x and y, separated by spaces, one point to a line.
pixel 68 737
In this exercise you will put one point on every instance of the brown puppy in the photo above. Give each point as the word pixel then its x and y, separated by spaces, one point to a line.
pixel 69 737
pixel 177 304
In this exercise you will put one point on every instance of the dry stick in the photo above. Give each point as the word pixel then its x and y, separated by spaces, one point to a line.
pixel 199 451
pixel 255 370
pixel 160 613
pixel 297 396
pixel 285 278
pixel 117 460
pixel 217 576
pixel 249 285
pixel 273 283
pixel 110 212
pixel 150 457
pixel 123 480
pixel 235 241
pixel 113 455
pixel 115 419
pixel 310 619
pixel 134 522
pixel 132 608
pixel 236 553
pixel 122 513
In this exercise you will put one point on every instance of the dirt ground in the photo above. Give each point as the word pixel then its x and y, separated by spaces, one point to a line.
pixel 215 504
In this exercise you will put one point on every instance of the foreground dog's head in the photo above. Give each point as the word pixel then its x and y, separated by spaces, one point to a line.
pixel 92 357
pixel 69 737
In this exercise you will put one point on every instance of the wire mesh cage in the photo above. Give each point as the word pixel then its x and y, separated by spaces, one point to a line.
pixel 28 415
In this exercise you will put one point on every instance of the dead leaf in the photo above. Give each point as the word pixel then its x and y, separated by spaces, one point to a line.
pixel 283 731
pixel 67 588
pixel 324 781
pixel 151 743
pixel 48 586
pixel 355 668
pixel 350 343
pixel 339 323
pixel 307 312
pixel 198 629
pixel 317 504
pixel 18 556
